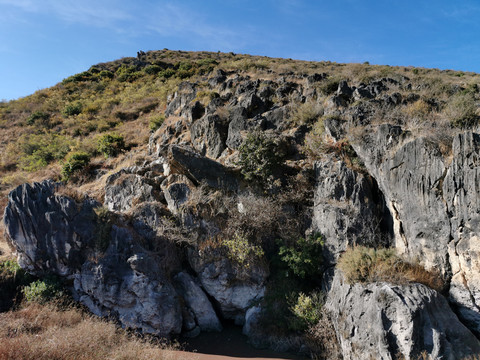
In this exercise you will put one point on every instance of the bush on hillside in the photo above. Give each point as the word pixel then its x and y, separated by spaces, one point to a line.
pixel 72 109
pixel 38 117
pixel 111 145
pixel 304 258
pixel 259 157
pixel 75 162
pixel 42 291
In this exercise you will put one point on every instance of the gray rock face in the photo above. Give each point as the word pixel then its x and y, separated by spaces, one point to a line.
pixel 434 204
pixel 461 192
pixel 130 285
pixel 124 190
pixel 50 232
pixel 383 321
pixel 201 169
pixel 197 302
pixel 209 135
pixel 348 209
pixel 235 289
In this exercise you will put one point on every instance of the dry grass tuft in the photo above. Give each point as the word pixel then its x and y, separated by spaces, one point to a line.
pixel 367 265
pixel 45 332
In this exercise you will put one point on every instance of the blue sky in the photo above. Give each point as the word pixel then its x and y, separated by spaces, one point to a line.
pixel 44 41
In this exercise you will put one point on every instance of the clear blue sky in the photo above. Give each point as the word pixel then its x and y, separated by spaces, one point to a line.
pixel 44 41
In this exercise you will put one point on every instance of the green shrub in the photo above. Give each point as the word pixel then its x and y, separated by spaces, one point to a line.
pixel 72 109
pixel 307 310
pixel 38 117
pixel 304 258
pixel 105 74
pixel 241 250
pixel 111 144
pixel 127 73
pixel 152 69
pixel 167 73
pixel 156 122
pixel 37 151
pixel 259 157
pixel 42 291
pixel 75 162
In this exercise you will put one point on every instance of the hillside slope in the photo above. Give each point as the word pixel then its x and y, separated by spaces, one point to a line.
pixel 326 208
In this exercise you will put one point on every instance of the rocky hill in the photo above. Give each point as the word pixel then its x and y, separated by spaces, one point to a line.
pixel 328 209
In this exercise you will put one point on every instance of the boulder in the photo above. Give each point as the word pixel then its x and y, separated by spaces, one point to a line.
pixel 124 190
pixel 238 122
pixel 385 321
pixel 234 287
pixel 209 135
pixel 176 189
pixel 201 169
pixel 197 302
pixel 183 96
pixel 128 284
pixel 51 233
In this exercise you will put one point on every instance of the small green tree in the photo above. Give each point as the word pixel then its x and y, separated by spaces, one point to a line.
pixel 111 144
pixel 72 109
pixel 259 156
pixel 305 257
pixel 75 162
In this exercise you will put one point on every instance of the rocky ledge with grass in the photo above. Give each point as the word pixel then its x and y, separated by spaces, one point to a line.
pixel 328 211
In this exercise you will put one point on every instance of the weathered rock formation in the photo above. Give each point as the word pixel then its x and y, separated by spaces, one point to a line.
pixel 382 321
pixel 159 265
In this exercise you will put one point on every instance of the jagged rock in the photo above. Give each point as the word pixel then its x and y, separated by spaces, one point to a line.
pixel 185 94
pixel 276 118
pixel 234 287
pixel 124 190
pixel 461 192
pixel 129 284
pixel 51 233
pixel 195 112
pixel 238 122
pixel 434 204
pixel 348 209
pixel 362 93
pixel 409 172
pixel 209 135
pixel 176 189
pixel 384 321
pixel 201 169
pixel 334 128
pixel 344 90
pixel 219 78
pixel 312 79
pixel 196 300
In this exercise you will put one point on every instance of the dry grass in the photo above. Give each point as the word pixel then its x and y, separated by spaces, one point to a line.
pixel 368 265
pixel 46 332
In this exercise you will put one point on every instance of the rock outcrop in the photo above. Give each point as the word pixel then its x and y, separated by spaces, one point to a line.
pixel 434 204
pixel 384 321
pixel 51 233
pixel 160 264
